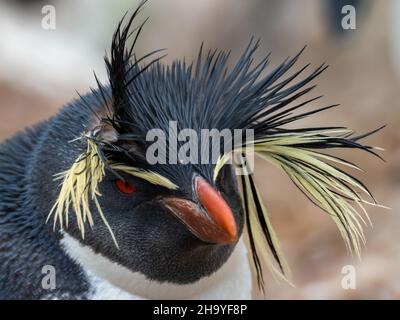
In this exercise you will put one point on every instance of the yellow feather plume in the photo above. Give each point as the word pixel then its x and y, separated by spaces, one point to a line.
pixel 315 173
pixel 80 185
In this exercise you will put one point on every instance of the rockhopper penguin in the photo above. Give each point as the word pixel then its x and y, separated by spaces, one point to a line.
pixel 78 192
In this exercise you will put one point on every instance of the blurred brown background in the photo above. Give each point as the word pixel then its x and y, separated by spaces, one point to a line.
pixel 40 70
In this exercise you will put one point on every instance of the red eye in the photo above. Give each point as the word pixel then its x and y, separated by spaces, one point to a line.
pixel 125 187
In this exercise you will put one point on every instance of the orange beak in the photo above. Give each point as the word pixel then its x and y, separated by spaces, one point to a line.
pixel 212 221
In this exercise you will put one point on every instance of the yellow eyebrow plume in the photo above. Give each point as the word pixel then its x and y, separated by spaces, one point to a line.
pixel 150 176
pixel 80 185
pixel 316 174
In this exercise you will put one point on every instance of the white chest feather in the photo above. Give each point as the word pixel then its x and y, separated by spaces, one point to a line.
pixel 110 280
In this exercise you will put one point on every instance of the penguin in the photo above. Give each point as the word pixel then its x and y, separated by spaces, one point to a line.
pixel 86 214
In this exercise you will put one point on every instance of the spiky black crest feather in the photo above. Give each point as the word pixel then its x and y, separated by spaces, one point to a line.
pixel 207 94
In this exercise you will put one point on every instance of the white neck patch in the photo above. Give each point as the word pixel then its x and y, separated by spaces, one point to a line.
pixel 110 280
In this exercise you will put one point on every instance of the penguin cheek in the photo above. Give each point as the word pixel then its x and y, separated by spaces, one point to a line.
pixel 155 243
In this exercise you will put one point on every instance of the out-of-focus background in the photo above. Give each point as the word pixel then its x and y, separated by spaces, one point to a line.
pixel 41 69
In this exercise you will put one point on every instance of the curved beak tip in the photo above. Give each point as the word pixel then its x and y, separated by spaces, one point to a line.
pixel 213 221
